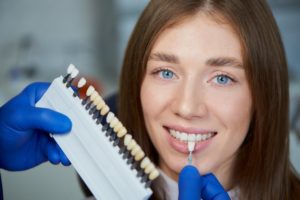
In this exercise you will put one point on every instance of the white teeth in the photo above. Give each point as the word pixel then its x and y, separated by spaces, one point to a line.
pixel 182 136
pixel 190 137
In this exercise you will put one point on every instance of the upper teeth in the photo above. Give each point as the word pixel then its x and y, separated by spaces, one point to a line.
pixel 190 137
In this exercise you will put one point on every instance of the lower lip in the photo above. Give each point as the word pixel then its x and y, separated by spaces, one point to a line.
pixel 183 147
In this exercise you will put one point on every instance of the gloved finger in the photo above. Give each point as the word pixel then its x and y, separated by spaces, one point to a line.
pixel 35 91
pixel 63 158
pixel 212 189
pixel 190 183
pixel 52 152
pixel 42 119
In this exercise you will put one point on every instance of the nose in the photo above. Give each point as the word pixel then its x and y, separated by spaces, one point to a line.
pixel 189 101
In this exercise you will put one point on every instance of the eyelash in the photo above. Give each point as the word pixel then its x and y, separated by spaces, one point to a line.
pixel 161 69
pixel 231 80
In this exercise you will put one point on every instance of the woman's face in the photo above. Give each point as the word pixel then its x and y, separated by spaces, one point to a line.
pixel 195 88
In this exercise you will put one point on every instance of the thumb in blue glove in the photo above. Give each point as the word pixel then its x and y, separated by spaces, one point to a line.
pixel 193 186
pixel 24 131
pixel 190 184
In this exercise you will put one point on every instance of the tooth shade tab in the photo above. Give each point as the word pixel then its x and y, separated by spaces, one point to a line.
pixel 154 174
pixel 191 146
pixel 127 139
pixel 81 82
pixel 104 110
pixel 90 90
pixel 74 73
pixel 131 144
pixel 149 168
pixel 146 161
pixel 110 117
pixel 118 127
pixel 121 132
pixel 139 155
pixel 70 68
pixel 113 122
pixel 94 95
pixel 135 150
pixel 100 105
pixel 97 100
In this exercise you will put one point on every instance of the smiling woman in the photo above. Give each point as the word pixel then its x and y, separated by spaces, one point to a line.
pixel 190 95
pixel 213 73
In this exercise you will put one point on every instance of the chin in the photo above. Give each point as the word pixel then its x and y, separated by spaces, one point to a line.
pixel 172 166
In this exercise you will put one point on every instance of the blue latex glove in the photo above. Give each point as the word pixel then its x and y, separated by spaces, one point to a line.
pixel 24 131
pixel 193 186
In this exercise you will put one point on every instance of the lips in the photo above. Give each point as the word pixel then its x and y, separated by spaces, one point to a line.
pixel 179 137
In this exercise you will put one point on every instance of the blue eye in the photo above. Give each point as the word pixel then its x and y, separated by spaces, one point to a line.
pixel 223 80
pixel 166 74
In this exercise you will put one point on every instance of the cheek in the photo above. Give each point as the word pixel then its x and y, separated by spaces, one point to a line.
pixel 154 98
pixel 150 99
pixel 234 110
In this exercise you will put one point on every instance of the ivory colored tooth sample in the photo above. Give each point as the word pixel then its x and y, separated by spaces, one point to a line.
pixel 135 150
pixel 97 100
pixel 122 132
pixel 127 139
pixel 149 168
pixel 110 117
pixel 146 161
pixel 94 95
pixel 104 110
pixel 139 155
pixel 118 127
pixel 100 105
pixel 90 90
pixel 153 174
pixel 131 144
pixel 114 122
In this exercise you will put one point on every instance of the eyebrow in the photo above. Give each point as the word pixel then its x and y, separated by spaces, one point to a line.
pixel 214 62
pixel 224 61
pixel 170 58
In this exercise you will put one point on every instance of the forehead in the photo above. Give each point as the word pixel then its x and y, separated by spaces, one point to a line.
pixel 200 33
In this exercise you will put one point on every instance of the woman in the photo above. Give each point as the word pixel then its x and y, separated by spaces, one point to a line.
pixel 215 69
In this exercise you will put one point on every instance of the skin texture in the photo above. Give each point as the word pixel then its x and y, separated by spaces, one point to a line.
pixel 195 83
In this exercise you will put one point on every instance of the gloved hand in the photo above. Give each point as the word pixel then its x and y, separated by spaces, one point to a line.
pixel 193 186
pixel 24 131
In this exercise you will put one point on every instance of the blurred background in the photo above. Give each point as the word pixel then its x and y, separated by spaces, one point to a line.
pixel 38 39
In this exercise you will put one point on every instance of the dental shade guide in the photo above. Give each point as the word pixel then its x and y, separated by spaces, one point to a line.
pixel 191 147
pixel 98 142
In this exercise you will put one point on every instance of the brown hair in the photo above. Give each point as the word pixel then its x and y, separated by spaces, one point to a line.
pixel 262 170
